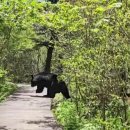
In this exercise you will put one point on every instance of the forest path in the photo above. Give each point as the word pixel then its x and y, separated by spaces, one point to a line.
pixel 25 111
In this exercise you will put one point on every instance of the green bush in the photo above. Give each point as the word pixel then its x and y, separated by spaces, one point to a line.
pixel 67 115
pixel 110 124
pixel 6 88
pixel 91 126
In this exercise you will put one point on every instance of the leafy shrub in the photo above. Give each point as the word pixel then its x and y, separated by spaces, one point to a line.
pixel 110 124
pixel 2 75
pixel 6 88
pixel 91 126
pixel 67 115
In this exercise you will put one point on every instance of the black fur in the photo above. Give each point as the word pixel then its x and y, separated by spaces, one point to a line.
pixel 49 80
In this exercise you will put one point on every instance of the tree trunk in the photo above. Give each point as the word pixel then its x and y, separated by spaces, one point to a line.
pixel 48 59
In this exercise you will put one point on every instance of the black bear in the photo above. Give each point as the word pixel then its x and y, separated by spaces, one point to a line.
pixel 53 1
pixel 49 80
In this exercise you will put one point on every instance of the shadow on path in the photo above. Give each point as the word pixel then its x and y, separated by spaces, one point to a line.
pixel 24 110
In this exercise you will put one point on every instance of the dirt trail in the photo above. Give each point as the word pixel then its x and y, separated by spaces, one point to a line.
pixel 24 110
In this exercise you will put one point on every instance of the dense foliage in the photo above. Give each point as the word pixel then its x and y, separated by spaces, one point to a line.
pixel 95 36
pixel 17 57
pixel 6 87
pixel 92 54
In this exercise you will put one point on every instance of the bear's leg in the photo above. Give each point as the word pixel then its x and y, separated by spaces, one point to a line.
pixel 39 89
pixel 51 92
pixel 63 89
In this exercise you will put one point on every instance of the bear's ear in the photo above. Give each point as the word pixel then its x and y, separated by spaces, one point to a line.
pixel 32 76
